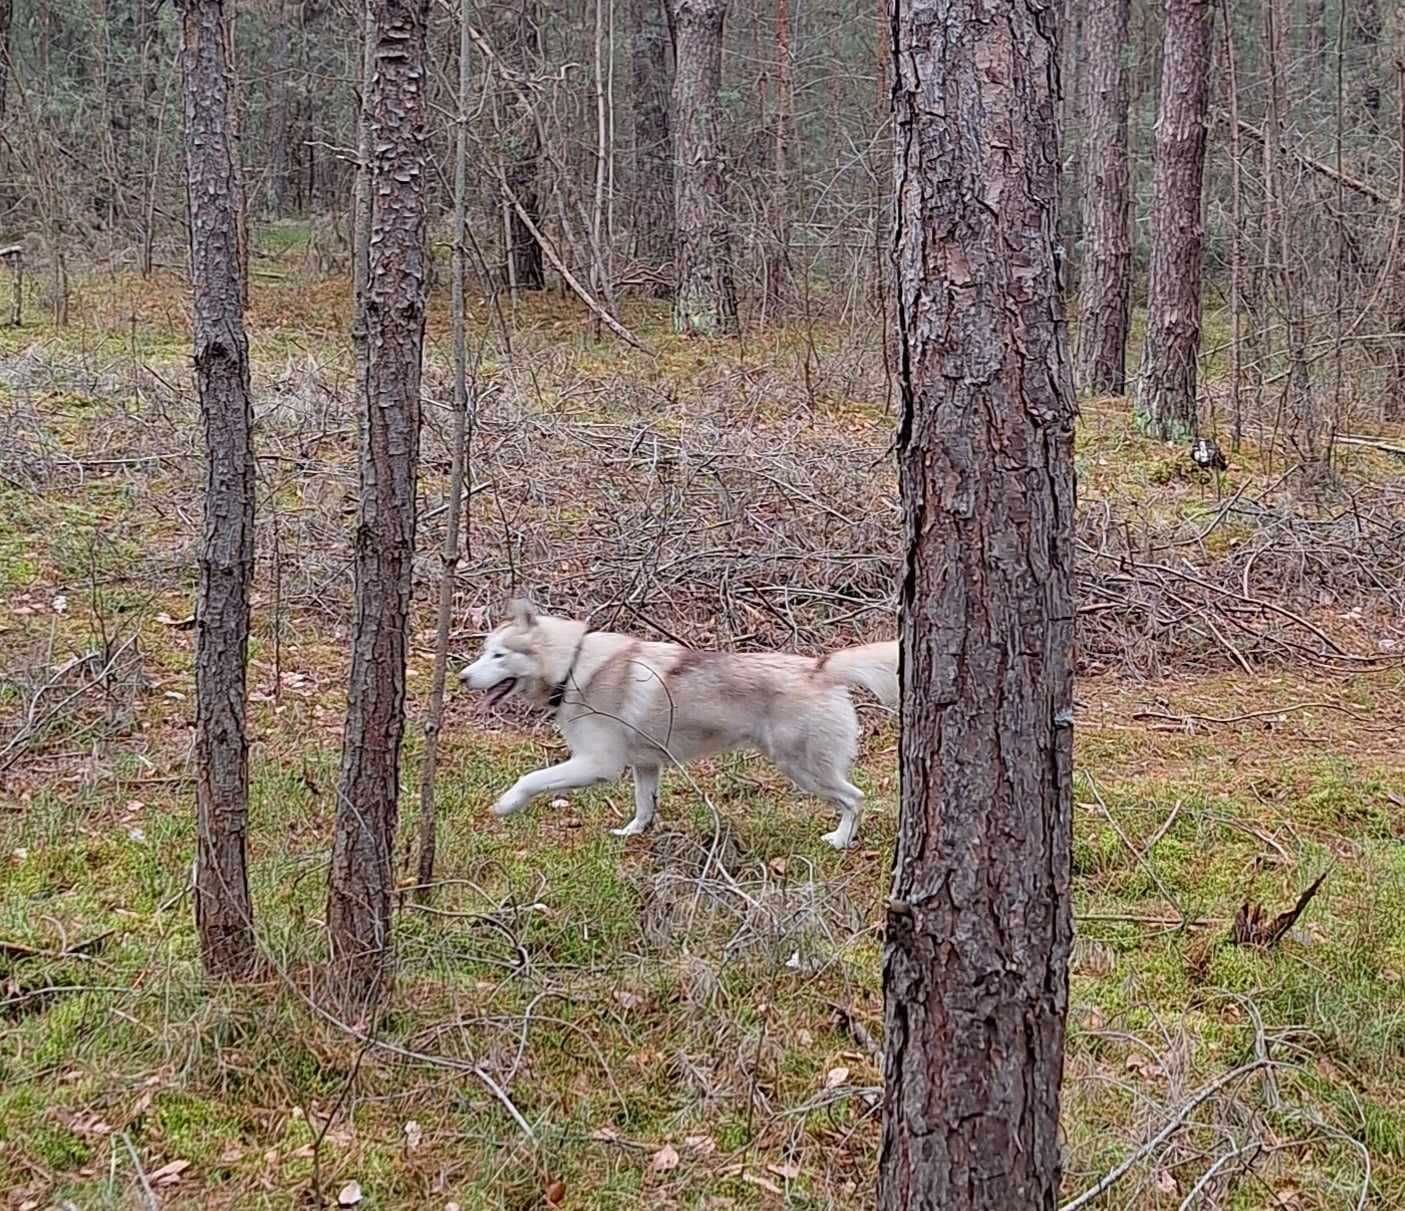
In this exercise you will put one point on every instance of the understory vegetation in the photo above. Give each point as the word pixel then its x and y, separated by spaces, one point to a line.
pixel 692 1017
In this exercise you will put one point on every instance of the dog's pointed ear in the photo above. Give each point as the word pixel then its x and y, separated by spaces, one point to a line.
pixel 523 613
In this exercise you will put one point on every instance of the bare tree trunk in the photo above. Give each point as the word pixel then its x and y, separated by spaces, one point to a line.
pixel 706 299
pixel 1236 243
pixel 1315 18
pixel 520 51
pixel 361 201
pixel 650 50
pixel 238 199
pixel 778 260
pixel 281 103
pixel 120 95
pixel 1166 391
pixel 1305 425
pixel 1369 28
pixel 361 882
pixel 1395 386
pixel 1105 277
pixel 462 418
pixel 979 929
pixel 6 16
pixel 223 912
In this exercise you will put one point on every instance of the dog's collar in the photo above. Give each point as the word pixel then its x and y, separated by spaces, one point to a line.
pixel 558 691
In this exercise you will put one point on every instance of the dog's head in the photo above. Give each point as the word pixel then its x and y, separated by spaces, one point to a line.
pixel 510 662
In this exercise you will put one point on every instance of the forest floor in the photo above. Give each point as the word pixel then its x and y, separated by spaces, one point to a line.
pixel 691 1031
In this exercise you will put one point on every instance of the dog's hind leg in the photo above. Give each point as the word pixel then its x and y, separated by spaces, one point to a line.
pixel 646 801
pixel 569 775
pixel 850 801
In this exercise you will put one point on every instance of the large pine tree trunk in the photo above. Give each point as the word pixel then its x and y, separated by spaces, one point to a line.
pixel 520 47
pixel 361 882
pixel 1166 390
pixel 706 299
pixel 1105 278
pixel 978 933
pixel 223 912
pixel 650 50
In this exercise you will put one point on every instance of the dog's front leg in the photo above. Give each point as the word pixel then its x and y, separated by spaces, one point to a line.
pixel 646 801
pixel 569 775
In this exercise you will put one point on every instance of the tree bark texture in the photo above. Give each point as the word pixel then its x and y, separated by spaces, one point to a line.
pixel 1394 409
pixel 223 912
pixel 975 964
pixel 361 883
pixel 1166 390
pixel 650 49
pixel 1105 278
pixel 706 299
pixel 434 716
pixel 519 46
pixel 778 255
pixel 6 17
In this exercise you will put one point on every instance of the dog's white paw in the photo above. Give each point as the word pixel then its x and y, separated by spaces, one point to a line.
pixel 632 829
pixel 837 839
pixel 507 805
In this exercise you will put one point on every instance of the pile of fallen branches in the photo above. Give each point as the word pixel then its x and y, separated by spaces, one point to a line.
pixel 1281 586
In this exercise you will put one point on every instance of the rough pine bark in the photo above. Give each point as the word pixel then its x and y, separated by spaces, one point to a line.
pixel 223 912
pixel 1166 389
pixel 361 882
pixel 1105 279
pixel 706 299
pixel 520 48
pixel 975 967
pixel 650 49
pixel 1394 409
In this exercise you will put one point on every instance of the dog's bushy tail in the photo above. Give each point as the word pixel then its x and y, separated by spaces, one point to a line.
pixel 873 667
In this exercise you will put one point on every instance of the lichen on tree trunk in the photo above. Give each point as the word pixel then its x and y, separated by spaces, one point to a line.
pixel 978 933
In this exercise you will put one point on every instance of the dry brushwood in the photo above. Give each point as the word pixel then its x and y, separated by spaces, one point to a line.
pixel 1252 928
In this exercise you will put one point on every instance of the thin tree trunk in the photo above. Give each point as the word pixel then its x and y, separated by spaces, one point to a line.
pixel 1236 244
pixel 1369 28
pixel 778 262
pixel 521 53
pixel 238 199
pixel 653 147
pixel 223 911
pixel 1395 387
pixel 1305 425
pixel 1105 277
pixel 1166 390
pixel 361 881
pixel 281 103
pixel 6 16
pixel 979 929
pixel 361 202
pixel 434 719
pixel 1315 19
pixel 706 300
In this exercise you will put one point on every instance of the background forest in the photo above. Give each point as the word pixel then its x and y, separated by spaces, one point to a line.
pixel 683 403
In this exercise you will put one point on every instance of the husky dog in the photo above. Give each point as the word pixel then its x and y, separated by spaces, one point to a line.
pixel 620 701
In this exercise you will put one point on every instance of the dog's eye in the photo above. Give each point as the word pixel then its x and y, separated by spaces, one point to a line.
pixel 497 655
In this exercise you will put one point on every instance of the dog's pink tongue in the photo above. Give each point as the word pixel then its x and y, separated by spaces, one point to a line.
pixel 500 691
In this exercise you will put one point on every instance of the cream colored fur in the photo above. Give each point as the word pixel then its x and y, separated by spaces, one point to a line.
pixel 631 702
